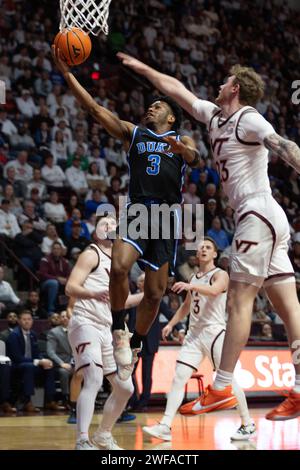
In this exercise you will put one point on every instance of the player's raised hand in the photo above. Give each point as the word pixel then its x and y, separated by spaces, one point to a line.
pixel 131 62
pixel 180 287
pixel 176 146
pixel 58 60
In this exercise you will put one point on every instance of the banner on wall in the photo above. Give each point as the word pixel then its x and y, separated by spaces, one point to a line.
pixel 258 371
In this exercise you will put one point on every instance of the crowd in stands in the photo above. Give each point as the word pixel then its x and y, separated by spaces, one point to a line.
pixel 58 165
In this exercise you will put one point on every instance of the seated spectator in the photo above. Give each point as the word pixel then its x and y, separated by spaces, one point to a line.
pixel 187 269
pixel 53 272
pixel 54 210
pixel 27 246
pixel 53 321
pixel 30 215
pixel 76 240
pixel 37 183
pixel 60 353
pixel 80 154
pixel 76 217
pixel 9 227
pixel 51 237
pixel 258 315
pixel 18 185
pixel 58 149
pixel 94 179
pixel 228 223
pixel 9 195
pixel 34 306
pixel 266 332
pixel 76 177
pixel 52 174
pixel 92 204
pixel 12 322
pixel 9 301
pixel 23 171
pixel 22 348
pixel 218 234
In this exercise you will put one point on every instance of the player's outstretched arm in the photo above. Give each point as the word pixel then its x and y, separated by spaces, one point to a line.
pixel 86 262
pixel 219 284
pixel 134 299
pixel 121 130
pixel 168 85
pixel 180 314
pixel 285 149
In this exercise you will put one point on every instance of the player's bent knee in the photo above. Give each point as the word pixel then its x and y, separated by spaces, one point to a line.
pixel 125 388
pixel 119 269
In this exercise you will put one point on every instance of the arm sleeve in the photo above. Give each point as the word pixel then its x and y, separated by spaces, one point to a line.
pixel 204 110
pixel 253 127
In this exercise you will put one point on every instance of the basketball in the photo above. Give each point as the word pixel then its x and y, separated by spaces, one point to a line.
pixel 74 44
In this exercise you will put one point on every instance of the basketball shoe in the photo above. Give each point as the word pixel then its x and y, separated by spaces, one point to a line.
pixel 121 344
pixel 161 431
pixel 105 442
pixel 84 444
pixel 288 409
pixel 244 432
pixel 211 400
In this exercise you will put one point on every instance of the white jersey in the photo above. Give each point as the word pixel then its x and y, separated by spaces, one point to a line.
pixel 91 310
pixel 238 150
pixel 207 310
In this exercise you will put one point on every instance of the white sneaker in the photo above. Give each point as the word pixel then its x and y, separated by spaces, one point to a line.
pixel 105 442
pixel 244 432
pixel 121 344
pixel 161 431
pixel 84 444
pixel 124 372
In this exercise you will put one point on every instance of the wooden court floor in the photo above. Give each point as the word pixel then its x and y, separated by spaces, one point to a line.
pixel 207 432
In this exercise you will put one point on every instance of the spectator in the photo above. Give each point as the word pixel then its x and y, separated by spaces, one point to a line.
pixel 187 269
pixel 76 217
pixel 12 322
pixel 29 215
pixel 52 174
pixel 9 226
pixel 27 246
pixel 54 210
pixel 60 352
pixel 76 178
pixel 218 234
pixel 76 240
pixel 22 348
pixel 23 171
pixel 15 207
pixel 33 305
pixel 53 272
pixel 50 238
pixel 37 183
pixel 9 301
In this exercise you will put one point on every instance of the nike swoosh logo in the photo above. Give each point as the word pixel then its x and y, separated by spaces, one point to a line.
pixel 198 406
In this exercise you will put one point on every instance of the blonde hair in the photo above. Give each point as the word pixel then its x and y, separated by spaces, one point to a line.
pixel 251 84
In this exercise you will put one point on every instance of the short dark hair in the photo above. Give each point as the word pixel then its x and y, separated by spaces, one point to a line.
pixel 176 110
pixel 24 312
pixel 211 240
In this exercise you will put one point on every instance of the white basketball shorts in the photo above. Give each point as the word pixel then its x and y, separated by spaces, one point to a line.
pixel 91 343
pixel 200 344
pixel 259 253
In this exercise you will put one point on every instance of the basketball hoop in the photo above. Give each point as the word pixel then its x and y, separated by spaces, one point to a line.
pixel 89 15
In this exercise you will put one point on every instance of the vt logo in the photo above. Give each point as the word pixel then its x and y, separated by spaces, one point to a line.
pixel 76 51
pixel 244 245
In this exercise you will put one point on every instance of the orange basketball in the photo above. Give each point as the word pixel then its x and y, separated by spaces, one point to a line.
pixel 75 45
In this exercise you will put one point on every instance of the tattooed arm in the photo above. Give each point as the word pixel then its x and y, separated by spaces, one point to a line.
pixel 285 149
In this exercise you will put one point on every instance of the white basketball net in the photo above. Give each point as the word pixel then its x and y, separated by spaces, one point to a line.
pixel 89 15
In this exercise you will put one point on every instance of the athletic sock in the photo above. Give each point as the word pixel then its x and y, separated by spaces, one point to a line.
pixel 118 317
pixel 296 387
pixel 222 380
pixel 136 340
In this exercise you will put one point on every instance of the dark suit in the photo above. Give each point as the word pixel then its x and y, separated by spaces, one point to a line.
pixel 59 351
pixel 149 349
pixel 15 347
